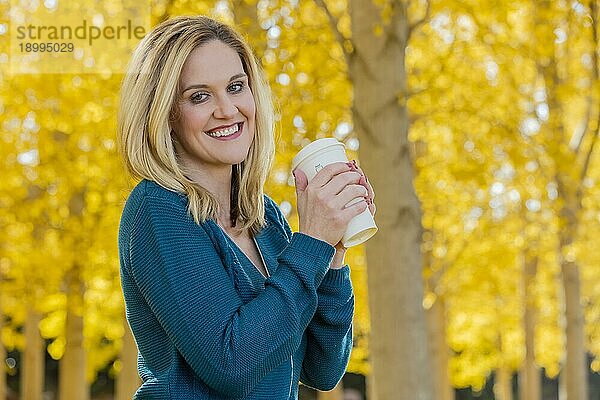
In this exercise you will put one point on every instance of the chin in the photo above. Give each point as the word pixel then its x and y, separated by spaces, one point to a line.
pixel 238 160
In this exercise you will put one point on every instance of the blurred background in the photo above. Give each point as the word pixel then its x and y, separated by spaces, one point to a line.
pixel 477 123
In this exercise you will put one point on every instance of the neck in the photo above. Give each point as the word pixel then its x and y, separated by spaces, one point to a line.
pixel 217 181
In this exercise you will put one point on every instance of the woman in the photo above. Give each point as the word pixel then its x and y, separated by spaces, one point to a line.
pixel 224 301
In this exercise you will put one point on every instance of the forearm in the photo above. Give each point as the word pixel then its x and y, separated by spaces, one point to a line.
pixel 338 258
pixel 329 334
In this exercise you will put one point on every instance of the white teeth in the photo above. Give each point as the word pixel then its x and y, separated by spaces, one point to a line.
pixel 224 132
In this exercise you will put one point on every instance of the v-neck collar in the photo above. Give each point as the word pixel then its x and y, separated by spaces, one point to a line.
pixel 255 238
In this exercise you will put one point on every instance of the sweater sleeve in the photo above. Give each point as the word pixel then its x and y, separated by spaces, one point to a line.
pixel 329 333
pixel 229 345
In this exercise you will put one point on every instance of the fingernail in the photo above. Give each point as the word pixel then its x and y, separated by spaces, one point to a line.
pixel 362 180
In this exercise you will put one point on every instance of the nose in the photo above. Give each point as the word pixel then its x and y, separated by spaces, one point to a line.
pixel 225 108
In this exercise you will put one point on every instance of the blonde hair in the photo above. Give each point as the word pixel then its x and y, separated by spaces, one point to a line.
pixel 149 97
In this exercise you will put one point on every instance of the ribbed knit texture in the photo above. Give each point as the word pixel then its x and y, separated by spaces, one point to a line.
pixel 208 325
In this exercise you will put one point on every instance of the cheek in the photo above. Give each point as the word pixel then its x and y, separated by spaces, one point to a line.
pixel 249 107
pixel 193 118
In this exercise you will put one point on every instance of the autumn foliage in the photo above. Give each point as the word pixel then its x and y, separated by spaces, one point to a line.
pixel 504 110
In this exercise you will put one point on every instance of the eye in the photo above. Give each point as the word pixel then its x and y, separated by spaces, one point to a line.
pixel 198 97
pixel 236 87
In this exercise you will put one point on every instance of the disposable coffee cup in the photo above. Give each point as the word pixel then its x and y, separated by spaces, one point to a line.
pixel 313 158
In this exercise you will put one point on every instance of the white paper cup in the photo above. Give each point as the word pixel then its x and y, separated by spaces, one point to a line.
pixel 310 160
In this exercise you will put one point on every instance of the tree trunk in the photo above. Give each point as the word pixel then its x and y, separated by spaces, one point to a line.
pixel 575 368
pixel 503 384
pixel 562 386
pixel 72 367
pixel 32 373
pixel 398 340
pixel 128 381
pixel 336 394
pixel 246 19
pixel 438 350
pixel 529 376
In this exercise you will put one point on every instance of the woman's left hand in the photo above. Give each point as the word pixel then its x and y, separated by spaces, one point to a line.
pixel 371 193
pixel 340 250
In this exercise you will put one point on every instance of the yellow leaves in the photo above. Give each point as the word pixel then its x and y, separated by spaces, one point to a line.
pixel 548 348
pixel 56 348
pixel 428 300
pixel 63 212
pixel 92 112
pixel 520 64
pixel 12 339
pixel 5 264
pixel 473 75
pixel 470 369
pixel 469 324
pixel 53 324
pixel 544 34
pixel 81 182
pixel 54 301
pixel 359 357
pixel 310 14
pixel 115 331
pixel 93 202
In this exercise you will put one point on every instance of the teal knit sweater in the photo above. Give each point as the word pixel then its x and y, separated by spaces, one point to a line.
pixel 208 325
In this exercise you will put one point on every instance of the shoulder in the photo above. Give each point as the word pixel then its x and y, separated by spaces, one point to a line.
pixel 148 188
pixel 160 215
pixel 149 206
pixel 149 196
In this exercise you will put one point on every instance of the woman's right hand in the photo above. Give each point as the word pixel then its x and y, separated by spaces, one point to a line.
pixel 321 203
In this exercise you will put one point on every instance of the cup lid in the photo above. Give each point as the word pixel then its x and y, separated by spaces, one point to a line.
pixel 313 147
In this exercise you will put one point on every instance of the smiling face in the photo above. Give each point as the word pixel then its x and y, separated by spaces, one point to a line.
pixel 216 115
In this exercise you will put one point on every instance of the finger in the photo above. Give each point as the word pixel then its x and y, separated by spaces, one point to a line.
pixel 301 180
pixel 365 182
pixel 348 194
pixel 372 209
pixel 340 181
pixel 355 209
pixel 328 172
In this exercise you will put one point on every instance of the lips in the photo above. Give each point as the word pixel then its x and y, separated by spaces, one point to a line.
pixel 218 128
pixel 226 132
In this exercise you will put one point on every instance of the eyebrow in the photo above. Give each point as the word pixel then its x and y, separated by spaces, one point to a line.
pixel 202 85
